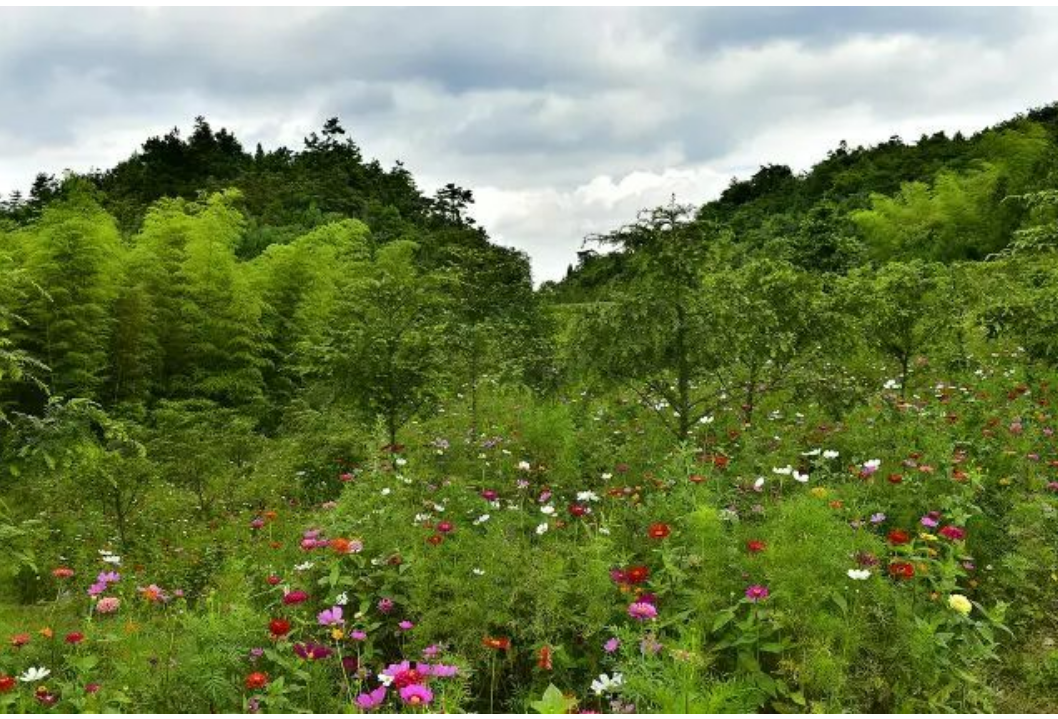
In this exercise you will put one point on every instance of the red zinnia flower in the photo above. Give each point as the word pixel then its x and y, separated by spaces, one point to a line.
pixel 19 640
pixel 902 570
pixel 637 574
pixel 497 643
pixel 295 597
pixel 445 527
pixel 6 684
pixel 756 546
pixel 279 627
pixel 62 572
pixel 257 680
pixel 658 530
pixel 74 638
pixel 274 579
pixel 898 536
pixel 578 510
pixel 895 478
pixel 543 658
pixel 435 539
pixel 953 533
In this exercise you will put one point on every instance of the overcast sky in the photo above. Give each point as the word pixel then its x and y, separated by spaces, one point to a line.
pixel 563 122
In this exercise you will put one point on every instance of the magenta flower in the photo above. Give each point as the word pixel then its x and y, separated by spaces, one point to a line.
pixel 330 617
pixel 416 694
pixel 372 699
pixel 311 650
pixel 431 651
pixel 295 597
pixel 489 495
pixel 358 635
pixel 956 534
pixel 756 592
pixel 642 611
pixel 385 605
pixel 611 645
pixel 405 626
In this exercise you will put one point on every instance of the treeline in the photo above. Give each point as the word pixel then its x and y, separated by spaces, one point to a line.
pixel 941 198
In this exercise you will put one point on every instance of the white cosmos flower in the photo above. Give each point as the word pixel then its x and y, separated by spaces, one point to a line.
pixel 386 491
pixel 811 453
pixel 524 466
pixel 859 574
pixel 606 476
pixel 588 496
pixel 342 599
pixel 707 419
pixel 604 530
pixel 304 567
pixel 401 461
pixel 787 470
pixel 759 483
pixel 831 454
pixel 606 684
pixel 541 528
pixel 872 464
pixel 386 679
pixel 547 509
pixel 482 519
pixel 478 572
pixel 111 559
pixel 802 478
pixel 34 674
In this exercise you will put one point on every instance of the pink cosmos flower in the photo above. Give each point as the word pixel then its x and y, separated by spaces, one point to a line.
pixel 330 617
pixel 405 626
pixel 642 611
pixel 358 635
pixel 416 694
pixel 756 592
pixel 611 645
pixel 372 699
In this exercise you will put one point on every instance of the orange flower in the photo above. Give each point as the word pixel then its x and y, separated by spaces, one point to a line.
pixel 47 632
pixel 543 658
pixel 256 680
pixel 20 640
pixel 498 643
pixel 658 530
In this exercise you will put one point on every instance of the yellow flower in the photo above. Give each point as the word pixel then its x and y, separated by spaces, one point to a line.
pixel 337 634
pixel 928 537
pixel 1005 482
pixel 960 604
pixel 819 492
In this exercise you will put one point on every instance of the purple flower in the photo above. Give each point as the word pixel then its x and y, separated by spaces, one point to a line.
pixel 371 699
pixel 928 521
pixel 878 517
pixel 431 651
pixel 756 592
pixel 416 694
pixel 611 645
pixel 330 617
pixel 405 626
pixel 96 589
pixel 311 650
pixel 385 605
pixel 358 635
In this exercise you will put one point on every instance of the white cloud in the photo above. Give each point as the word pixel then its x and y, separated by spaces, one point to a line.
pixel 564 122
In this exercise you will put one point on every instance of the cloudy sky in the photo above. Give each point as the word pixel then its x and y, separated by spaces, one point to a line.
pixel 563 122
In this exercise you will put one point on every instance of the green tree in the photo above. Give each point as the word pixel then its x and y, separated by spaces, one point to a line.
pixel 72 256
pixel 654 333
pixel 383 347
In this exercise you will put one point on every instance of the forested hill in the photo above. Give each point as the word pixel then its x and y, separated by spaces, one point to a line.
pixel 938 198
pixel 284 192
